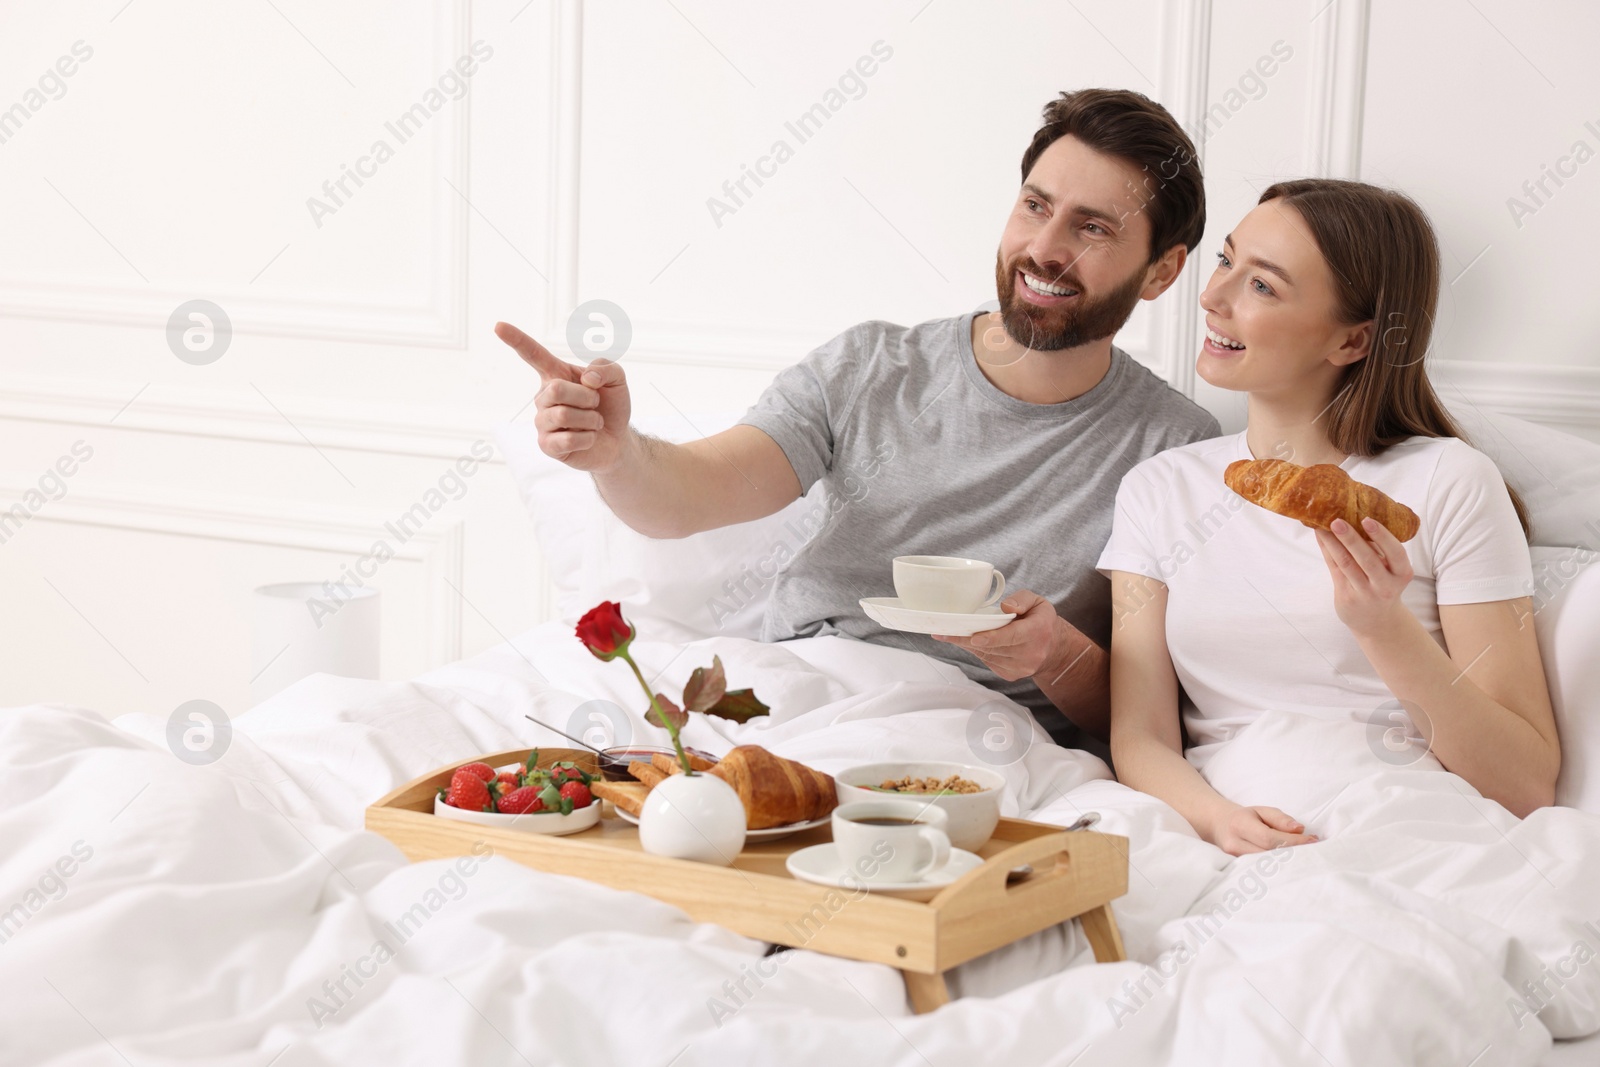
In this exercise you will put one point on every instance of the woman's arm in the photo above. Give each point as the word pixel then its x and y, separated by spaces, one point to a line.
pixel 1483 706
pixel 1146 738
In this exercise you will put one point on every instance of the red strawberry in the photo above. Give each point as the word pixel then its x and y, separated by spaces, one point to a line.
pixel 522 801
pixel 561 773
pixel 481 770
pixel 506 781
pixel 578 793
pixel 469 792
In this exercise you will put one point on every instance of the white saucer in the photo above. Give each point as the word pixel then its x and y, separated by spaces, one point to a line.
pixel 888 611
pixel 771 833
pixel 821 864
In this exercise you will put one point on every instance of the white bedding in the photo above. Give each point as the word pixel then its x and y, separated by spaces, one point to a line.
pixel 218 907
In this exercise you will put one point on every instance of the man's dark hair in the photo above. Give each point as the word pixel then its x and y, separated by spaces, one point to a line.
pixel 1133 127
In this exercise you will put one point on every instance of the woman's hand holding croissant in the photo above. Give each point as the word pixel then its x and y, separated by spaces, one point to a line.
pixel 1368 576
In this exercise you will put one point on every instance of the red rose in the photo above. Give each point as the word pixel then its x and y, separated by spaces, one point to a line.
pixel 604 631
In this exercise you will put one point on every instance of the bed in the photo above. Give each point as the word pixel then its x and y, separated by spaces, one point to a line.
pixel 153 912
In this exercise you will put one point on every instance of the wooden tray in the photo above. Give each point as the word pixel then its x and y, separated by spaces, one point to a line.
pixel 1076 875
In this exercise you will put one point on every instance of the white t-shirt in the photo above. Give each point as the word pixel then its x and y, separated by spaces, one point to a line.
pixel 1251 624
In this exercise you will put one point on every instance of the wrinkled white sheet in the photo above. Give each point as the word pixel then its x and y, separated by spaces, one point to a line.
pixel 235 914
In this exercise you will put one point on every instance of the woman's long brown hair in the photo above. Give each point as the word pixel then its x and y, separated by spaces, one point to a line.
pixel 1384 258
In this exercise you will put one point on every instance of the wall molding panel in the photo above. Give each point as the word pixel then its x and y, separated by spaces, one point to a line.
pixel 1336 97
pixel 693 343
pixel 303 319
pixel 1552 395
pixel 351 425
pixel 566 163
pixel 438 548
pixel 1184 77
pixel 440 324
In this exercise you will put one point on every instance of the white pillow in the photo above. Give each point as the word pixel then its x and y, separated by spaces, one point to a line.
pixel 713 584
pixel 1557 474
pixel 1566 604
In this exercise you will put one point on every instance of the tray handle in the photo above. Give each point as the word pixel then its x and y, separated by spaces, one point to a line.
pixel 985 886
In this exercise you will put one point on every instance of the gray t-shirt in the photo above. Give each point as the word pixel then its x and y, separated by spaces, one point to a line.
pixel 921 454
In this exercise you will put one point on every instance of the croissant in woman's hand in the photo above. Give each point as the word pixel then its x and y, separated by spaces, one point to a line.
pixel 1317 495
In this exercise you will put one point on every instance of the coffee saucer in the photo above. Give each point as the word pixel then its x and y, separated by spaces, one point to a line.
pixel 888 611
pixel 822 865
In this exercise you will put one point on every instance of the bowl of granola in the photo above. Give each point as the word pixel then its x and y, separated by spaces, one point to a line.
pixel 969 795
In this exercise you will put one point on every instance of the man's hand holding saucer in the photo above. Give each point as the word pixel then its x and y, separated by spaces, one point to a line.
pixel 1025 646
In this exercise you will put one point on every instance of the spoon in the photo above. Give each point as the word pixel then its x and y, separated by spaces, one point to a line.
pixel 563 733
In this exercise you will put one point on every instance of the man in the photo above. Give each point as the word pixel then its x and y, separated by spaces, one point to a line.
pixel 999 437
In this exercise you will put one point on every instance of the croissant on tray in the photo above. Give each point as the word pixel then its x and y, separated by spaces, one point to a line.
pixel 775 791
pixel 1317 495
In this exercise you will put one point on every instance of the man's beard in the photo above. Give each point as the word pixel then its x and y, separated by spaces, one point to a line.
pixel 1050 329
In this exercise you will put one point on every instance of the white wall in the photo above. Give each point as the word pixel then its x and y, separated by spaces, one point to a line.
pixel 176 163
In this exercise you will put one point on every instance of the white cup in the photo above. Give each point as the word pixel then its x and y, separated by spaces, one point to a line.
pixel 907 849
pixel 947 583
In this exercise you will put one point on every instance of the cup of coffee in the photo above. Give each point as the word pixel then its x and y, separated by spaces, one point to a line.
pixel 891 840
pixel 947 583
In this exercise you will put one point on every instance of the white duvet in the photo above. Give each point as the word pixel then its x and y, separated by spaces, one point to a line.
pixel 157 913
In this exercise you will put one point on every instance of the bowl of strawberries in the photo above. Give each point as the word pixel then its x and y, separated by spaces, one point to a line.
pixel 524 797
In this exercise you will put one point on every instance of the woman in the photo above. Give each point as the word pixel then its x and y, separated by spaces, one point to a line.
pixel 1320 309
